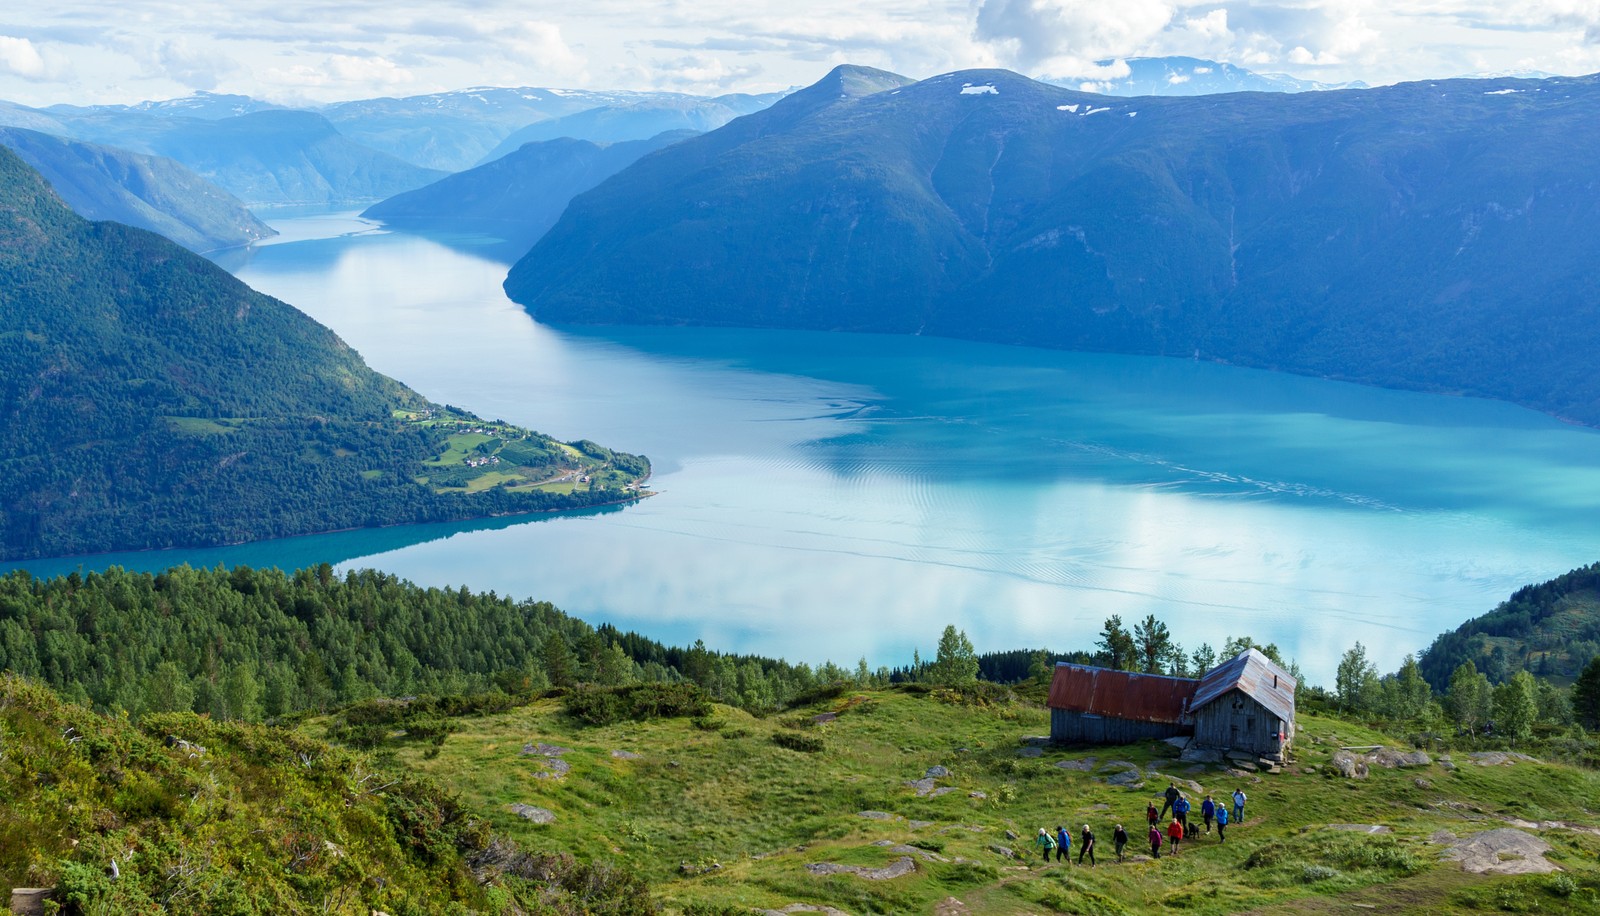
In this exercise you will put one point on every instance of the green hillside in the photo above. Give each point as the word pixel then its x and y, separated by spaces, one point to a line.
pixel 152 400
pixel 1422 235
pixel 1551 629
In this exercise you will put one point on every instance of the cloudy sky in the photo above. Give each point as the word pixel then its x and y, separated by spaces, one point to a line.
pixel 96 51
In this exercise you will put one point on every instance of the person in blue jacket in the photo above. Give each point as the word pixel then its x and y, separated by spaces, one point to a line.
pixel 1222 824
pixel 1063 844
pixel 1208 810
pixel 1180 812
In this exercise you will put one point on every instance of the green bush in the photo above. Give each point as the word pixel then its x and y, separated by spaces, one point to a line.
pixel 798 741
pixel 637 702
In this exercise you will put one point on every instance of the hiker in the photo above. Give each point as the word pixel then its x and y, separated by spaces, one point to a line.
pixel 1086 845
pixel 1222 823
pixel 1045 844
pixel 1180 812
pixel 1155 842
pixel 1119 838
pixel 1171 796
pixel 1208 810
pixel 1150 814
pixel 1238 806
pixel 1175 831
pixel 1063 844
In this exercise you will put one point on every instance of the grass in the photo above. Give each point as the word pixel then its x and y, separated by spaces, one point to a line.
pixel 728 796
pixel 201 426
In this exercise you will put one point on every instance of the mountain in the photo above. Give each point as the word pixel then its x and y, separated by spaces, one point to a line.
pixel 520 196
pixel 150 192
pixel 638 120
pixel 455 130
pixel 1551 629
pixel 209 106
pixel 150 399
pixel 1425 235
pixel 1193 76
pixel 288 158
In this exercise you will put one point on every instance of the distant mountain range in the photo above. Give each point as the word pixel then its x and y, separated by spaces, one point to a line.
pixel 1427 235
pixel 150 399
pixel 1193 76
pixel 520 196
pixel 638 120
pixel 150 192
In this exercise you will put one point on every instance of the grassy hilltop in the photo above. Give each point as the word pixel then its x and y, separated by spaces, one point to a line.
pixel 724 812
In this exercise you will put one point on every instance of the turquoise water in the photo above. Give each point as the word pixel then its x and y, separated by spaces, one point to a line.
pixel 837 496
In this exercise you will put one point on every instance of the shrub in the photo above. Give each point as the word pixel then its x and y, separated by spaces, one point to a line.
pixel 1311 874
pixel 798 741
pixel 638 702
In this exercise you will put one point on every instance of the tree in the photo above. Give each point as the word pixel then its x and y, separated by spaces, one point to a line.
pixel 1586 695
pixel 560 665
pixel 1117 643
pixel 1356 680
pixel 1152 642
pixel 1467 701
pixel 1516 707
pixel 1202 659
pixel 956 662
pixel 1411 694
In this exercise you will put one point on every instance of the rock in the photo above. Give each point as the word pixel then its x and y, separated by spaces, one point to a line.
pixel 537 815
pixel 1502 852
pixel 1180 742
pixel 923 786
pixel 1247 765
pixel 824 717
pixel 1309 771
pixel 1012 835
pixel 1030 752
pixel 1200 755
pixel 541 749
pixel 1195 770
pixel 627 755
pixel 950 906
pixel 942 790
pixel 803 908
pixel 1006 851
pixel 1099 807
pixel 1036 740
pixel 553 768
pixel 1361 828
pixel 29 901
pixel 1085 765
pixel 1132 779
pixel 977 795
pixel 876 815
pixel 1421 783
pixel 936 772
pixel 904 865
pixel 1390 758
pixel 1349 765
pixel 918 825
pixel 1499 758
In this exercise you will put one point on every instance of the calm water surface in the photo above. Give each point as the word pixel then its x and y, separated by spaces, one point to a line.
pixel 840 496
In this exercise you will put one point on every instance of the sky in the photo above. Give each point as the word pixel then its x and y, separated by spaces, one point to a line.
pixel 299 51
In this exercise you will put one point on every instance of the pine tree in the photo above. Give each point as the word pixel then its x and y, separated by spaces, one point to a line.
pixel 956 662
pixel 1516 707
pixel 1153 643
pixel 1586 695
pixel 1117 643
pixel 1356 680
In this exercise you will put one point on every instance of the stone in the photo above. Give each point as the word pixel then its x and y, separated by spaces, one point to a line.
pixel 923 786
pixel 1446 762
pixel 1132 779
pixel 1362 828
pixel 1012 835
pixel 1505 851
pixel 1499 758
pixel 904 865
pixel 1180 742
pixel 1006 851
pixel 1390 758
pixel 553 768
pixel 918 825
pixel 1246 765
pixel 1421 783
pixel 1349 765
pixel 936 772
pixel 977 795
pixel 540 749
pixel 942 790
pixel 824 717
pixel 1085 765
pixel 627 755
pixel 875 815
pixel 1036 740
pixel 1200 755
pixel 29 901
pixel 537 815
pixel 803 908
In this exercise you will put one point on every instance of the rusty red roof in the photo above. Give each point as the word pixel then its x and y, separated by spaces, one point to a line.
pixel 1121 694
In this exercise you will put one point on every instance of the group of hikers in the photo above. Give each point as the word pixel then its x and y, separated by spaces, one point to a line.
pixel 1176 832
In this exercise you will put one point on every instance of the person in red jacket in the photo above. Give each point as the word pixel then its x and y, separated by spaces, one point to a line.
pixel 1155 842
pixel 1175 834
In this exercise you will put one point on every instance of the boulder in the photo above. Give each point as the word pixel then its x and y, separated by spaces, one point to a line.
pixel 936 772
pixel 1200 755
pixel 1505 851
pixel 537 815
pixel 999 850
pixel 1349 765
pixel 1389 758
pixel 904 865
pixel 29 901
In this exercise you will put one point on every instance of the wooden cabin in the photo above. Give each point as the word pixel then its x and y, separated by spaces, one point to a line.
pixel 1245 704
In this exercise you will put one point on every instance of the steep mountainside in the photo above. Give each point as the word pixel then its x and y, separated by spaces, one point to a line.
pixel 638 120
pixel 1427 235
pixel 1551 629
pixel 150 399
pixel 288 157
pixel 150 192
pixel 518 197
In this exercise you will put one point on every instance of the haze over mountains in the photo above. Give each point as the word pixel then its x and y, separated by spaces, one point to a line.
pixel 1427 235
pixel 1193 76
pixel 149 192
pixel 517 197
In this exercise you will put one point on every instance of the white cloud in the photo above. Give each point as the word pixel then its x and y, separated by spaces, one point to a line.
pixel 343 70
pixel 1068 36
pixel 19 56
pixel 188 64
